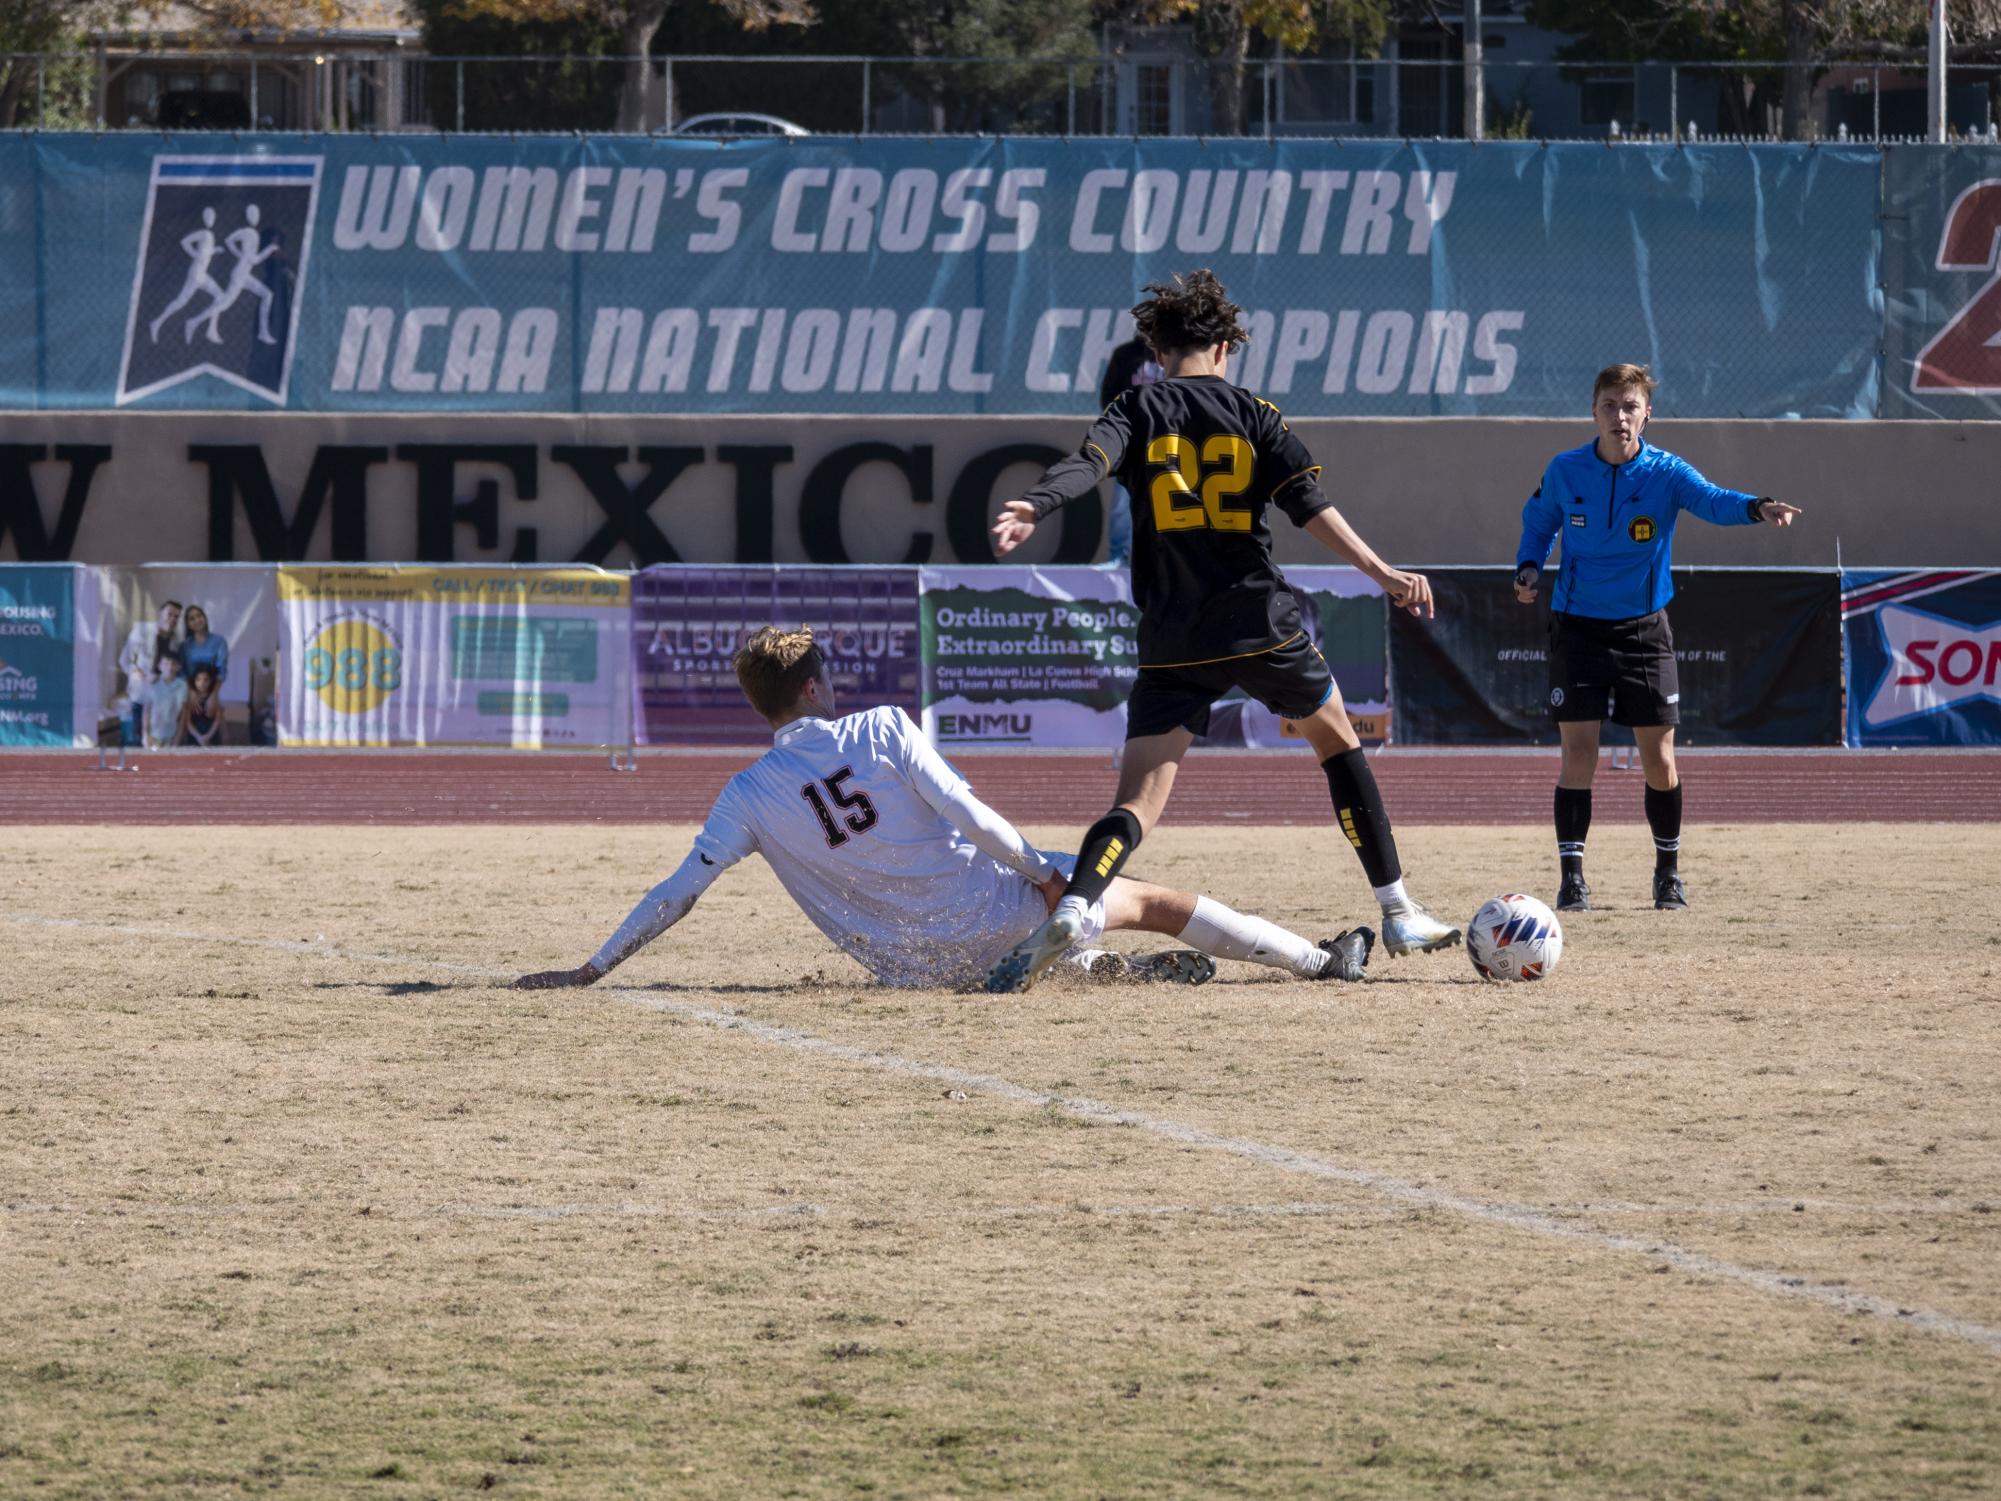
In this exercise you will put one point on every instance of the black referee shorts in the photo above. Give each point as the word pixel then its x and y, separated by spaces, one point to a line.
pixel 1621 670
pixel 1291 680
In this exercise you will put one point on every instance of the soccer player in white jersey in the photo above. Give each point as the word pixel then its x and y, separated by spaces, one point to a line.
pixel 883 845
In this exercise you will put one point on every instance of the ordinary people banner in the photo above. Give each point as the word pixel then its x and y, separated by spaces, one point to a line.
pixel 687 623
pixel 621 274
pixel 526 657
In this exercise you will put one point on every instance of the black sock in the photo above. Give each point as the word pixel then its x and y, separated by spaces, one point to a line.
pixel 1358 804
pixel 1664 818
pixel 1573 823
pixel 1105 848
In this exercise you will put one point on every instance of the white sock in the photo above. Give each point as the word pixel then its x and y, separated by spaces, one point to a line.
pixel 1223 934
pixel 1391 898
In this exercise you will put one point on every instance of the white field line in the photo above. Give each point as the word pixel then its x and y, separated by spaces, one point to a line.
pixel 1285 1159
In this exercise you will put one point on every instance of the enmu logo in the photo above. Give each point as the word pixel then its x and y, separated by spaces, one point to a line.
pixel 1641 529
pixel 985 726
pixel 222 262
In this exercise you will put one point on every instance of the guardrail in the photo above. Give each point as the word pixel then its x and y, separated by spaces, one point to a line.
pixel 1117 95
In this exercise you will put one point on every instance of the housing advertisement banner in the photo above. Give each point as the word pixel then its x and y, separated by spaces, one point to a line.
pixel 1924 656
pixel 526 657
pixel 48 642
pixel 440 273
pixel 688 622
pixel 1048 656
pixel 1758 652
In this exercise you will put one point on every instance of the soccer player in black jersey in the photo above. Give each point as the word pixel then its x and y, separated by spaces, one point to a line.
pixel 1204 460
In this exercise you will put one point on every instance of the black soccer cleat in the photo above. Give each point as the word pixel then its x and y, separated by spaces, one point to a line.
pixel 1574 895
pixel 1669 894
pixel 1350 952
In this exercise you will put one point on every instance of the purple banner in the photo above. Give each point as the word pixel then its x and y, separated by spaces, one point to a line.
pixel 688 621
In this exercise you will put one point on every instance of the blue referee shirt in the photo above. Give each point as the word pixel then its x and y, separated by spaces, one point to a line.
pixel 1617 523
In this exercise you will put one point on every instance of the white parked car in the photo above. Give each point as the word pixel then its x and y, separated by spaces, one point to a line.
pixel 738 124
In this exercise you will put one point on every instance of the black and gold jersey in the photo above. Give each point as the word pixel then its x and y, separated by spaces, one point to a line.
pixel 1203 461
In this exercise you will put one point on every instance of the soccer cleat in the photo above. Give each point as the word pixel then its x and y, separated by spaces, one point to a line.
pixel 1669 894
pixel 1350 952
pixel 1172 967
pixel 1574 895
pixel 1412 930
pixel 1027 960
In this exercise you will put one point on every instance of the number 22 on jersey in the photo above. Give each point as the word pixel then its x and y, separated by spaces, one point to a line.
pixel 1193 487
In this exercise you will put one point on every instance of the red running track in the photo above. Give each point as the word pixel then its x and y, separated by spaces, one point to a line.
pixel 286 787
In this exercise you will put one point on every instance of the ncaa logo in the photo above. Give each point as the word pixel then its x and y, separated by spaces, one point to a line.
pixel 221 266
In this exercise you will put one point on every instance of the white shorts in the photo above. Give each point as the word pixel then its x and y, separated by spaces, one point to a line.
pixel 1031 912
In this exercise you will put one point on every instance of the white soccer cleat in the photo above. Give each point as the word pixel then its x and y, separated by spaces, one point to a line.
pixel 1412 930
pixel 1027 960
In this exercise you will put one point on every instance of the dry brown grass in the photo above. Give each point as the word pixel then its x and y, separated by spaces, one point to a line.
pixel 318 1223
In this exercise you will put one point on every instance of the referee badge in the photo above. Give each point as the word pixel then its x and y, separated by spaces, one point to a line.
pixel 1641 529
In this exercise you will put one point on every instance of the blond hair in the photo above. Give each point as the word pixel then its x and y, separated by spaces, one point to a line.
pixel 1622 377
pixel 774 666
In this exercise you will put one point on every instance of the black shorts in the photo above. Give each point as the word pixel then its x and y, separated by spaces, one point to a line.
pixel 1621 670
pixel 1291 680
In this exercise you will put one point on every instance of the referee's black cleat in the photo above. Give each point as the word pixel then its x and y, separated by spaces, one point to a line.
pixel 1669 894
pixel 1349 954
pixel 1574 895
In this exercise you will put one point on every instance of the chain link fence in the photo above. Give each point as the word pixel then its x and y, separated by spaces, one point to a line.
pixel 1398 97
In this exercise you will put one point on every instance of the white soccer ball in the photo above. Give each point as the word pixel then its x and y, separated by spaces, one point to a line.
pixel 1514 938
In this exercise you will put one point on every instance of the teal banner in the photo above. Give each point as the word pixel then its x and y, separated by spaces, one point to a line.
pixel 37 654
pixel 821 275
pixel 1942 283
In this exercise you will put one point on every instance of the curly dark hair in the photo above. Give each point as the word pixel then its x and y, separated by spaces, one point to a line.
pixel 1191 312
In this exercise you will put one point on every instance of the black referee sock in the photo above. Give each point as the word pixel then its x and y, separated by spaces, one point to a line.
pixel 1573 823
pixel 1106 847
pixel 1358 804
pixel 1664 818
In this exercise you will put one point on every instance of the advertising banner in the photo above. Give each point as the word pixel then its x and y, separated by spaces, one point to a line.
pixel 1047 656
pixel 1941 290
pixel 688 622
pixel 1924 656
pixel 525 657
pixel 428 273
pixel 1758 651
pixel 191 654
pixel 48 647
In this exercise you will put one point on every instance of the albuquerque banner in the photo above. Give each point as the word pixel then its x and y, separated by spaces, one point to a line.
pixel 1759 654
pixel 526 657
pixel 687 624
pixel 621 274
pixel 49 641
pixel 1924 656
pixel 1047 656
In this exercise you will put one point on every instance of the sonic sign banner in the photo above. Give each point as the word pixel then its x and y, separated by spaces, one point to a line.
pixel 1924 657
pixel 620 274
pixel 527 657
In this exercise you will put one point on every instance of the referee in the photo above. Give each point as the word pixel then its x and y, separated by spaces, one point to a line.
pixel 1611 655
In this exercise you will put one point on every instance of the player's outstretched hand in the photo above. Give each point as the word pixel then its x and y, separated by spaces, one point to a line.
pixel 1052 889
pixel 558 979
pixel 1410 590
pixel 1776 512
pixel 1016 526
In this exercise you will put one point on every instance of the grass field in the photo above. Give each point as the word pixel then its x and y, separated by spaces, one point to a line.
pixel 297 1200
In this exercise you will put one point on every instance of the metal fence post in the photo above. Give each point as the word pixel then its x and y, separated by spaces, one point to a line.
pixel 1267 93
pixel 667 94
pixel 1070 99
pixel 1876 103
pixel 41 93
pixel 1674 103
pixel 460 66
pixel 865 95
pixel 254 116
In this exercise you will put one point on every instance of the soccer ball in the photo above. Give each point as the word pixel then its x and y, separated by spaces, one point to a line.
pixel 1514 938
